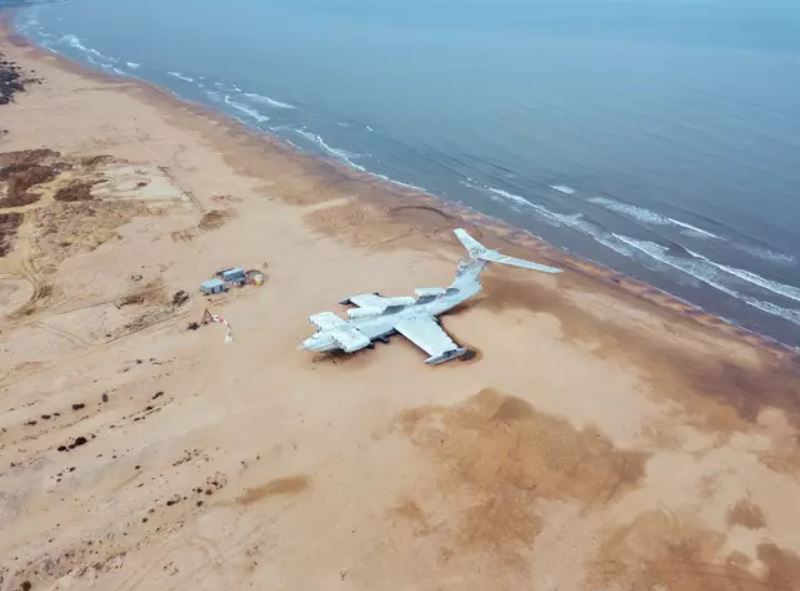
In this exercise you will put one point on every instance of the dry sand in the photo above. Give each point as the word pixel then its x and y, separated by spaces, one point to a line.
pixel 604 437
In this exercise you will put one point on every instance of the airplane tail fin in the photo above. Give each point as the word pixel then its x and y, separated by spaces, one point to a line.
pixel 478 251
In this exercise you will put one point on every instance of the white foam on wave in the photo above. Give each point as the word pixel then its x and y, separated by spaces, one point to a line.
pixel 368 128
pixel 32 22
pixel 566 189
pixel 133 65
pixel 574 221
pixel 75 42
pixel 114 69
pixel 692 229
pixel 649 217
pixel 295 146
pixel 707 273
pixel 509 197
pixel 268 101
pixel 180 76
pixel 250 112
pixel 335 152
pixel 766 254
pixel 399 183
pixel 554 218
pixel 214 96
pixel 789 291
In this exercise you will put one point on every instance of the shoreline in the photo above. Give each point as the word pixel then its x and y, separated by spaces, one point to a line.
pixel 504 230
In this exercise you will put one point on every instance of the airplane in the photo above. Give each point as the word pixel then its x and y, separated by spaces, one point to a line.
pixel 375 317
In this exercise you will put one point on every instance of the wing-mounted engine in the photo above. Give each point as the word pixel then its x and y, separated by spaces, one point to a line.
pixel 376 303
pixel 366 312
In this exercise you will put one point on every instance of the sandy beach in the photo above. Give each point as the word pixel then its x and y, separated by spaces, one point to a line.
pixel 603 437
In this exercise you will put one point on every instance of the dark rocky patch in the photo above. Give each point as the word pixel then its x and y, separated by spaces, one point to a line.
pixel 20 178
pixel 77 442
pixel 180 298
pixel 75 191
pixel 12 80
pixel 9 222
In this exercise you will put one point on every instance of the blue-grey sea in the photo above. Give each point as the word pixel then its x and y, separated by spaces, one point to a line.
pixel 657 137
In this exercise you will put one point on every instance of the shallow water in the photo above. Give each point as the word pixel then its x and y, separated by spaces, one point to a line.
pixel 660 138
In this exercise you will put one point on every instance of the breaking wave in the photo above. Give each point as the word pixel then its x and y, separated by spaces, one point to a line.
pixel 766 253
pixel 180 76
pixel 698 266
pixel 268 101
pixel 335 152
pixel 75 42
pixel 566 189
pixel 250 112
pixel 788 291
pixel 90 54
pixel 509 197
pixel 570 220
pixel 709 273
pixel 692 229
pixel 133 65
pixel 399 183
pixel 649 217
pixel 574 221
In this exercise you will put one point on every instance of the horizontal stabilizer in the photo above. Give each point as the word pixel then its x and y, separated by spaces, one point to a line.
pixel 446 356
pixel 478 251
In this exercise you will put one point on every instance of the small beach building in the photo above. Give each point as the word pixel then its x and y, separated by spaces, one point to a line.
pixel 235 275
pixel 212 286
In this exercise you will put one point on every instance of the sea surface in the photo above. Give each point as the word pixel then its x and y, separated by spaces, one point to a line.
pixel 658 137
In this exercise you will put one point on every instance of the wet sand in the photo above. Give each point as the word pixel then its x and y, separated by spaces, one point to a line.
pixel 604 436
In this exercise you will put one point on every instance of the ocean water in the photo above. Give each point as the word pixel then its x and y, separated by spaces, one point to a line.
pixel 658 137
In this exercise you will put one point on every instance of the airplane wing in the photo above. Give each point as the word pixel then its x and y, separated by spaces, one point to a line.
pixel 376 302
pixel 496 257
pixel 426 334
pixel 325 320
pixel 478 251
pixel 349 338
pixel 368 300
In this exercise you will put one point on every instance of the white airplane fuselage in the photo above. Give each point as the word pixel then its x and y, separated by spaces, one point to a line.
pixel 381 325
pixel 416 318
